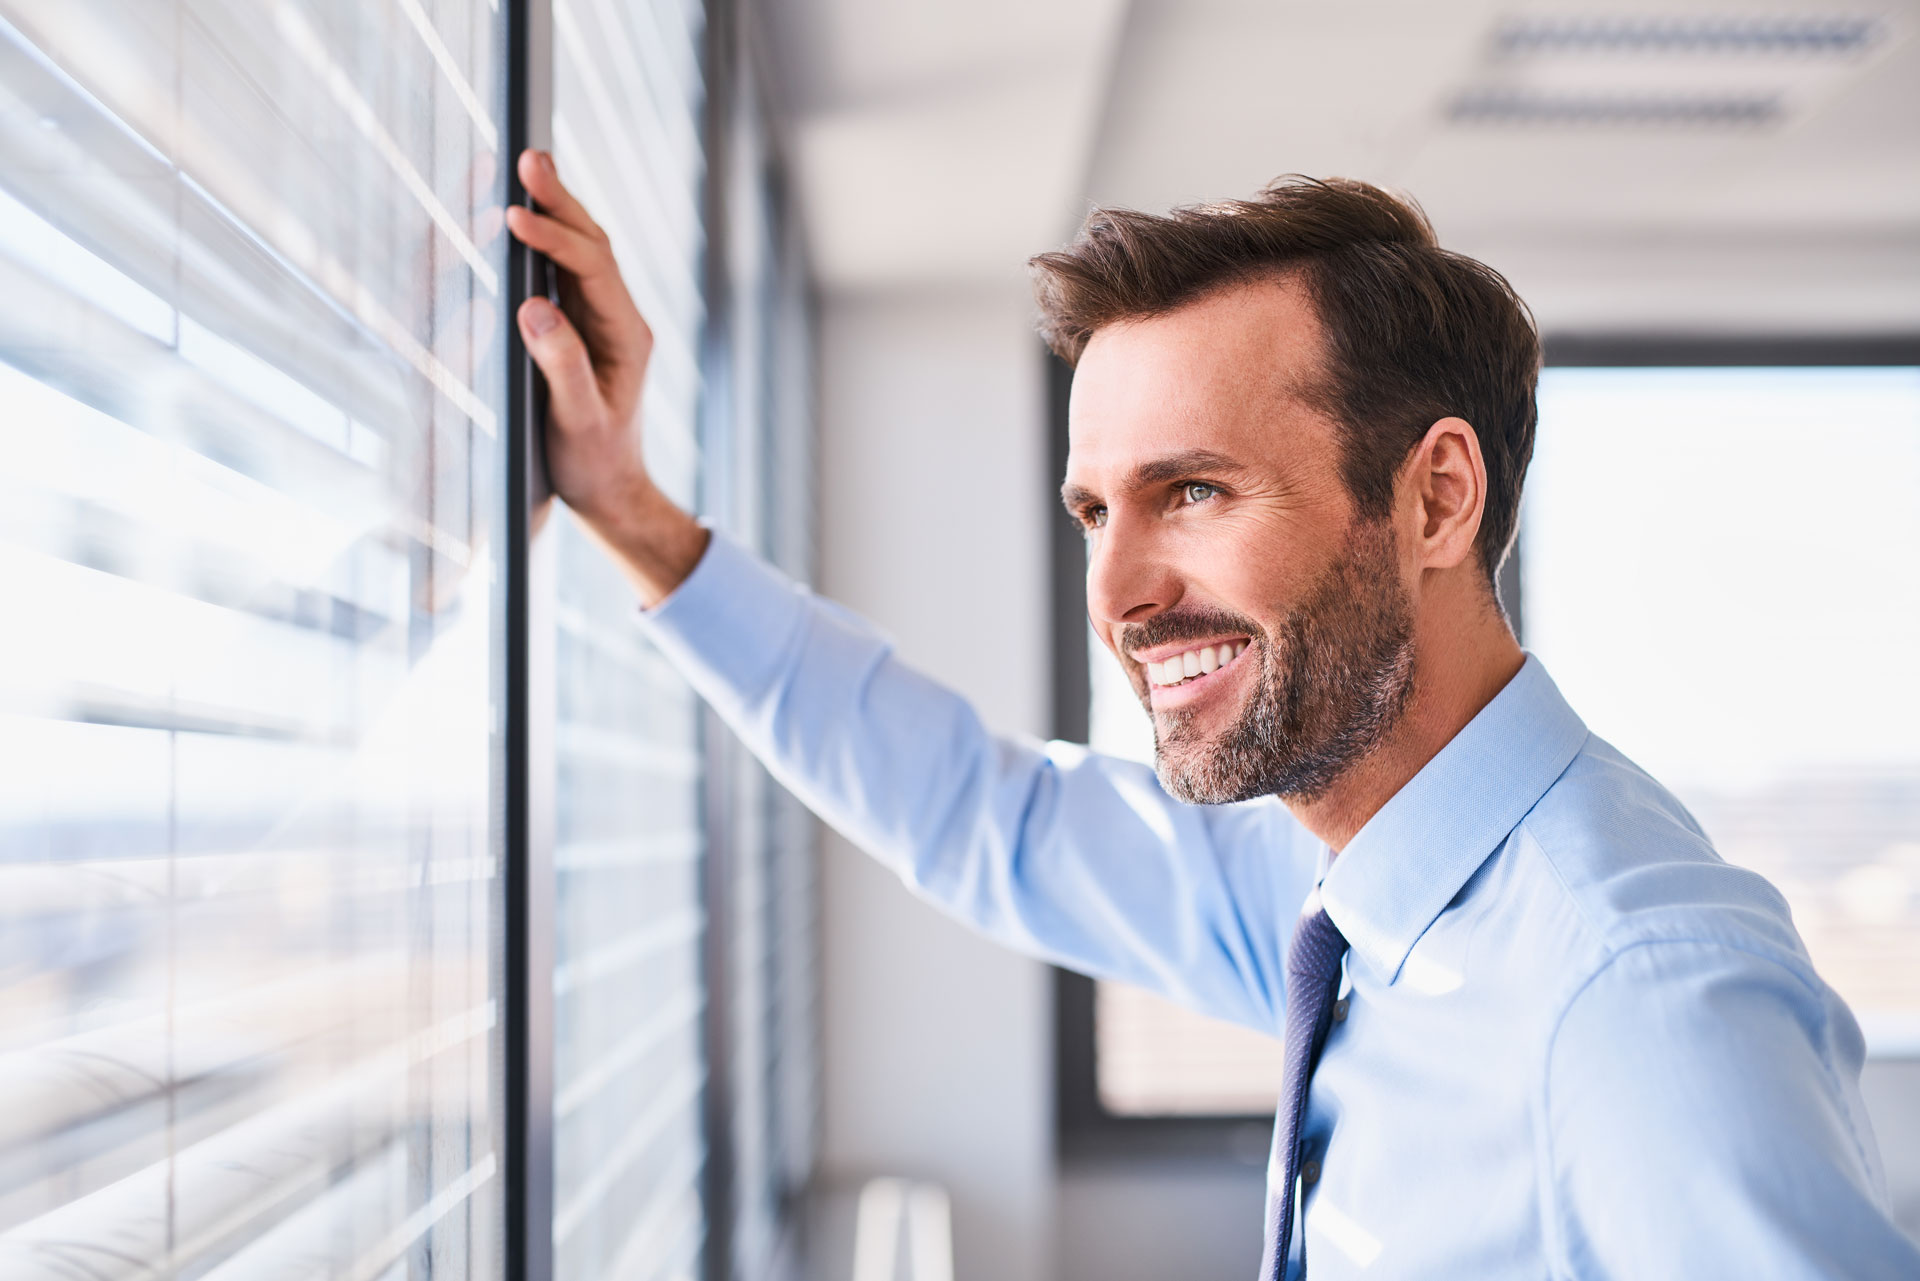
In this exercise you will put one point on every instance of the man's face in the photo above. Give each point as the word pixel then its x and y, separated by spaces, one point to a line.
pixel 1223 542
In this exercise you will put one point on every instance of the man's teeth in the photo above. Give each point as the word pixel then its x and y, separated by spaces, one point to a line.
pixel 1195 662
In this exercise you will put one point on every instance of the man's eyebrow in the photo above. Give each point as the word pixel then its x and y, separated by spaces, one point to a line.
pixel 1179 466
pixel 1158 471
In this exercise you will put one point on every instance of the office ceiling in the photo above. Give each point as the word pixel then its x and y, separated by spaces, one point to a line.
pixel 1677 164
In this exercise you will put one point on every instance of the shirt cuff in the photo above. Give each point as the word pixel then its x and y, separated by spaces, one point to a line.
pixel 729 626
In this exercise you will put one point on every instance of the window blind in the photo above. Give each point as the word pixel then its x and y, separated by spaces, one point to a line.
pixel 249 840
pixel 760 487
pixel 629 995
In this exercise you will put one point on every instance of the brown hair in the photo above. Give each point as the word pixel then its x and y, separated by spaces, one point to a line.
pixel 1414 333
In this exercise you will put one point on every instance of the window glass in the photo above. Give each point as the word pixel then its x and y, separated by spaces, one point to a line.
pixel 1721 568
pixel 629 996
pixel 249 842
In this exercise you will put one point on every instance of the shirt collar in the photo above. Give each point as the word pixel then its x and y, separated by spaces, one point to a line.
pixel 1402 869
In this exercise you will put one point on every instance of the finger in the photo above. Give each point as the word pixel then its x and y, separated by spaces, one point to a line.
pixel 592 288
pixel 573 394
pixel 542 181
pixel 611 323
pixel 584 255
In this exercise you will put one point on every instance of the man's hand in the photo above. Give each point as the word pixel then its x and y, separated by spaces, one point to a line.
pixel 593 349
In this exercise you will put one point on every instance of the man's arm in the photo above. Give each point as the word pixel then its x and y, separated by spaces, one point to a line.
pixel 1062 853
pixel 1078 858
pixel 1702 1118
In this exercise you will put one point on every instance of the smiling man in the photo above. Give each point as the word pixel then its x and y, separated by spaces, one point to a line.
pixel 1534 1026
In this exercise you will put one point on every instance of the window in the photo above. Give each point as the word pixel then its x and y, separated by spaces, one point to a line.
pixel 1721 568
pixel 630 1054
pixel 300 720
pixel 249 526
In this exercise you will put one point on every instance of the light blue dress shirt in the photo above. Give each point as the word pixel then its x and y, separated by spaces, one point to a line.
pixel 1573 1042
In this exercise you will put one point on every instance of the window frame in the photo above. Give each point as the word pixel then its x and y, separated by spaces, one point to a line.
pixel 529 700
pixel 1086 1131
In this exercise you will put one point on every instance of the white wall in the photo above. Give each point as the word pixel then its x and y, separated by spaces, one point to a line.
pixel 938 1045
pixel 1185 1219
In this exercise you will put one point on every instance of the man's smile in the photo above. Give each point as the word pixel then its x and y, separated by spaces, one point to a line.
pixel 1181 673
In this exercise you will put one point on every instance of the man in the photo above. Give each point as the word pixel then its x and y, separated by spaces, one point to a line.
pixel 1547 1031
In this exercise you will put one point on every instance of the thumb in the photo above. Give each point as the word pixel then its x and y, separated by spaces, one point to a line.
pixel 556 347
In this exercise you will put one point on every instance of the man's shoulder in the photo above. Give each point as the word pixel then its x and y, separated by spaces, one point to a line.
pixel 1635 868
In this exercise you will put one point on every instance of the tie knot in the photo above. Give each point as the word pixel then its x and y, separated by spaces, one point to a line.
pixel 1317 947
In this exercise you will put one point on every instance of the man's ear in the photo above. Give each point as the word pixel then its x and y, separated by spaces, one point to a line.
pixel 1443 485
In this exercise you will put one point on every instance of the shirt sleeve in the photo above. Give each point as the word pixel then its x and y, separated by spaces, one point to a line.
pixel 1078 858
pixel 1703 1119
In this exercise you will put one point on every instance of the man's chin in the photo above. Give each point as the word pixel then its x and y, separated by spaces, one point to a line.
pixel 1195 783
pixel 1201 770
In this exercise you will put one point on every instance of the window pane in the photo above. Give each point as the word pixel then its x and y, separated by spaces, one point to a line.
pixel 628 996
pixel 1722 571
pixel 248 838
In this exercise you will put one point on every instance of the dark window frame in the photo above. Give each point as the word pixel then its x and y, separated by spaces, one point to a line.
pixel 1085 1129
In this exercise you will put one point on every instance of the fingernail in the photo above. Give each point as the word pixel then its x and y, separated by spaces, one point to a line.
pixel 540 316
pixel 546 161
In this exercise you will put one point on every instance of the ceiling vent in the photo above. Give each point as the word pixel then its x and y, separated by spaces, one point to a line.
pixel 1816 37
pixel 1665 72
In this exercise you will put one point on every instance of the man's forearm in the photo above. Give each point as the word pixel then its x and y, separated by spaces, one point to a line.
pixel 654 541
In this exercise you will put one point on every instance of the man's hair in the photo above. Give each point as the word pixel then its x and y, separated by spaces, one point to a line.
pixel 1413 333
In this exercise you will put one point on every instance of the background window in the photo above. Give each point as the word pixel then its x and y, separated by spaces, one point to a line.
pixel 1718 568
pixel 249 846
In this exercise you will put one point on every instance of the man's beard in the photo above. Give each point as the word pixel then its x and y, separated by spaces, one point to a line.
pixel 1333 681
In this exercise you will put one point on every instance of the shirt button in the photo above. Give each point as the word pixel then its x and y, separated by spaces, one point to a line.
pixel 1340 1009
pixel 1309 1172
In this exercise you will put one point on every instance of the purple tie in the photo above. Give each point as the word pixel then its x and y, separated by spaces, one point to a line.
pixel 1313 973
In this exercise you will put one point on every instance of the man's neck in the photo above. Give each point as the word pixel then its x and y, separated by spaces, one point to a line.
pixel 1454 678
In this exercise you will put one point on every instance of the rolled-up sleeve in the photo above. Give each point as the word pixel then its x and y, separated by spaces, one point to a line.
pixel 1075 857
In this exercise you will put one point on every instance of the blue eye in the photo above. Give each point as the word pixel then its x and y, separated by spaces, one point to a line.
pixel 1198 491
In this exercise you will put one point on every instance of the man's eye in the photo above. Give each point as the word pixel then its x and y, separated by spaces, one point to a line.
pixel 1094 517
pixel 1198 491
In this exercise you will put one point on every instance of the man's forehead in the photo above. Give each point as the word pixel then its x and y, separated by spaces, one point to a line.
pixel 1245 335
pixel 1224 375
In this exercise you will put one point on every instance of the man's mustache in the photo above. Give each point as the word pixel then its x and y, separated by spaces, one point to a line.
pixel 1181 625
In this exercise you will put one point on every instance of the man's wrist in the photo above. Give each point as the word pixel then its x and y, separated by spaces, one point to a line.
pixel 656 542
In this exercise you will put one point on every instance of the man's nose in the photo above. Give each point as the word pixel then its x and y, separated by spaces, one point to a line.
pixel 1129 580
